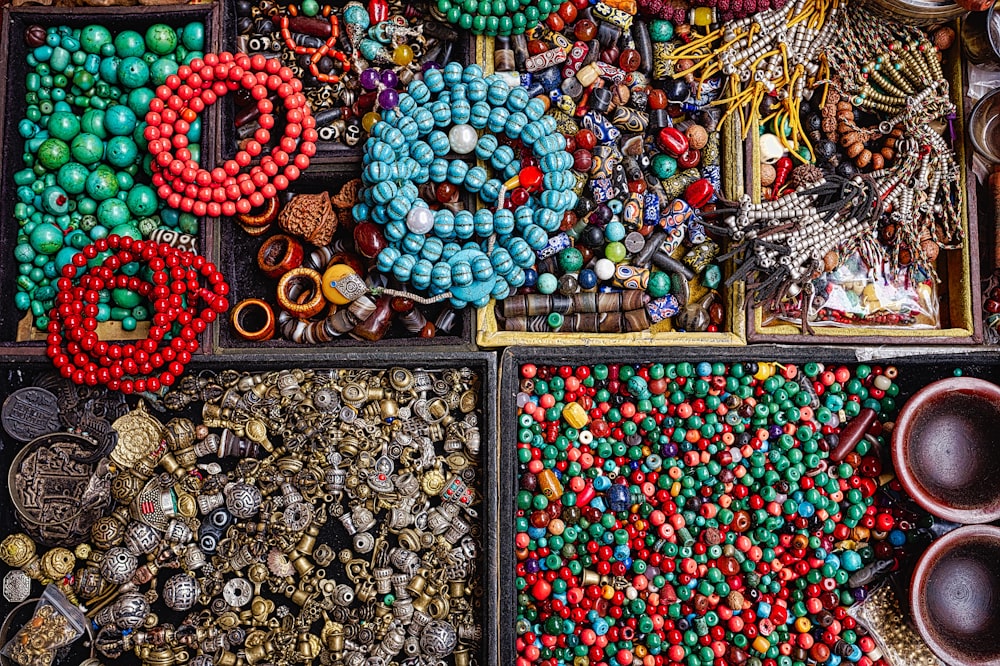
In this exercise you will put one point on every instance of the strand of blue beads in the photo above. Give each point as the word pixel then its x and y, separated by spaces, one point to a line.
pixel 467 257
pixel 85 175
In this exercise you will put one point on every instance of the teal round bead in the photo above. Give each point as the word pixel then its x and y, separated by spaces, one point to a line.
pixel 63 125
pixel 119 120
pixel 193 36
pixel 94 37
pixel 161 39
pixel 133 72
pixel 121 152
pixel 102 184
pixel 87 148
pixel 46 239
pixel 129 43
pixel 113 213
pixel 92 122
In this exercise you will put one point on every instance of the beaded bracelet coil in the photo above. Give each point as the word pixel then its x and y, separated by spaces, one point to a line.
pixel 464 256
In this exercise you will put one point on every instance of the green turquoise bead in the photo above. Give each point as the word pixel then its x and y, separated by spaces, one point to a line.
pixel 138 101
pixel 22 301
pixel 129 43
pixel 142 201
pixel 108 69
pixel 102 184
pixel 24 253
pixel 161 69
pixel 161 39
pixel 125 180
pixel 53 153
pixel 86 206
pixel 193 36
pixel 131 232
pixel 659 284
pixel 133 72
pixel 46 239
pixel 55 201
pixel 125 298
pixel 113 212
pixel 63 125
pixel 121 152
pixel 59 60
pixel 119 120
pixel 87 148
pixel 129 323
pixel 94 37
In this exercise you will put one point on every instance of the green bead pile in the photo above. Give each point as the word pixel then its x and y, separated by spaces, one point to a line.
pixel 86 171
pixel 496 17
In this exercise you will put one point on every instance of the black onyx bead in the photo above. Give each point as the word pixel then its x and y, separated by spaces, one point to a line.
pixel 826 150
pixel 814 122
pixel 846 170
pixel 592 236
pixel 243 7
pixel 677 90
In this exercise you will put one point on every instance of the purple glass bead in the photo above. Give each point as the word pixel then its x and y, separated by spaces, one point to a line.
pixel 775 431
pixel 531 565
pixel 430 64
pixel 369 79
pixel 388 98
pixel 389 78
pixel 668 450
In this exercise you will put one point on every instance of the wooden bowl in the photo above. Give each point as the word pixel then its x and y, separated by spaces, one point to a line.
pixel 955 596
pixel 944 451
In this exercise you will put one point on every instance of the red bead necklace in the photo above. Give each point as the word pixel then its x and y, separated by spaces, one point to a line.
pixel 226 190
pixel 148 364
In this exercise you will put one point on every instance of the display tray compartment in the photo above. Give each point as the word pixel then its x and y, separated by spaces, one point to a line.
pixel 17 332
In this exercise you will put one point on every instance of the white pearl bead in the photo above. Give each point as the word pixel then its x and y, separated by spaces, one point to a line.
pixel 604 269
pixel 420 220
pixel 463 139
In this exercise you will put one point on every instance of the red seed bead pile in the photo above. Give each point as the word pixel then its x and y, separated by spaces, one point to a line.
pixel 228 190
pixel 176 292
pixel 693 513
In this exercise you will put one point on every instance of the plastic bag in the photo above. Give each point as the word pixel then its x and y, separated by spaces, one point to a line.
pixel 853 295
pixel 899 644
pixel 55 623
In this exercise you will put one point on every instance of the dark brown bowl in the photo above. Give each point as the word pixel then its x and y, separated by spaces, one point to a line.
pixel 955 596
pixel 944 449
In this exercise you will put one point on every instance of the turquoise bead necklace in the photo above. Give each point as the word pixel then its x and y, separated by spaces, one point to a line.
pixel 496 17
pixel 86 173
pixel 464 256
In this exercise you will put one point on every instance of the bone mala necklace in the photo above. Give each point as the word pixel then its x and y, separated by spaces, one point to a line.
pixel 780 246
pixel 772 58
pixel 894 71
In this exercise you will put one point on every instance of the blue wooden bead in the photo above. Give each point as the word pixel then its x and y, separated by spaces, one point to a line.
pixel 498 119
pixel 503 222
pixel 444 223
pixel 484 222
pixel 384 192
pixel 424 119
pixel 501 260
pixel 501 290
pixel 498 93
pixel 420 276
pixel 465 224
pixel 439 143
pixel 475 179
pixel 523 216
pixel 386 258
pixel 406 103
pixel 480 115
pixel 456 172
pixel 535 109
pixel 422 153
pixel 433 247
pixel 502 156
pixel 486 146
pixel 398 208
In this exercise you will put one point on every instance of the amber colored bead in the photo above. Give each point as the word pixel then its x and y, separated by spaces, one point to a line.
pixel 610 55
pixel 741 520
pixel 586 139
pixel 657 99
pixel 540 519
pixel 585 30
pixel 569 221
pixel 690 159
pixel 536 46
pixel 446 193
pixel 568 11
pixel 729 566
pixel 629 60
pixel 637 186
